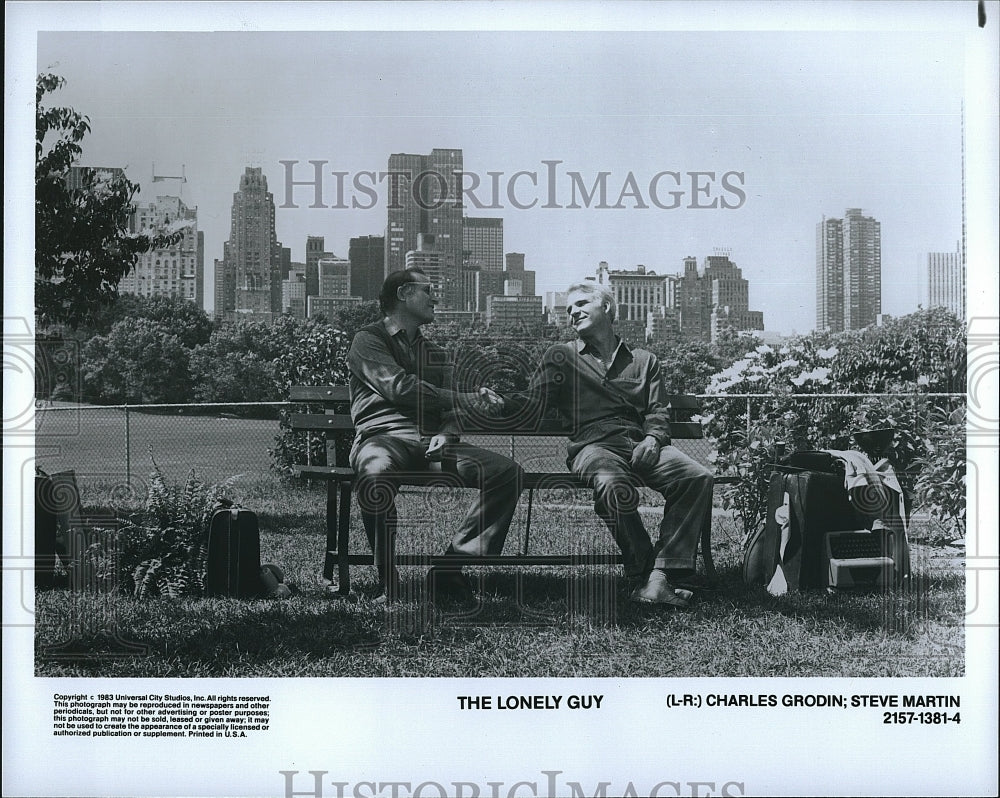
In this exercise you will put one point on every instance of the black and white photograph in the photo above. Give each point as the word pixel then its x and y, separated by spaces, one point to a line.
pixel 486 400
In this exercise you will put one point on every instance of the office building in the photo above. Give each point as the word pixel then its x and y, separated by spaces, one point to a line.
pixel 315 249
pixel 367 257
pixel 293 291
pixel 637 291
pixel 426 198
pixel 432 262
pixel 555 308
pixel 334 276
pixel 515 270
pixel 76 177
pixel 329 306
pixel 482 244
pixel 508 311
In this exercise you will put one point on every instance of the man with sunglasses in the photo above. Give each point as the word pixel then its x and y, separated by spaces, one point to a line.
pixel 399 383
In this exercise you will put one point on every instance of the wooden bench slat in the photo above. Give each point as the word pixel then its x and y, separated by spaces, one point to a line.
pixel 686 430
pixel 318 422
pixel 491 559
pixel 334 473
pixel 320 393
pixel 683 401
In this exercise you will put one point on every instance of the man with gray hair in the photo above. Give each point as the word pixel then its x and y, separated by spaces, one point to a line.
pixel 612 397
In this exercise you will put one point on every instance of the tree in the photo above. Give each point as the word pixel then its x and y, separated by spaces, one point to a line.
pixel 139 361
pixel 181 316
pixel 237 364
pixel 353 318
pixel 83 247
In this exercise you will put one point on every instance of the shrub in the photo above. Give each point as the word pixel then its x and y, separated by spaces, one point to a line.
pixel 907 357
pixel 314 353
pixel 942 480
pixel 138 361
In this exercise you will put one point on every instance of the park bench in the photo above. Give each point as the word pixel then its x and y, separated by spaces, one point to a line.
pixel 335 422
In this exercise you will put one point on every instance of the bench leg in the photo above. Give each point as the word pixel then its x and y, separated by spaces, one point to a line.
pixel 527 521
pixel 706 548
pixel 343 539
pixel 331 531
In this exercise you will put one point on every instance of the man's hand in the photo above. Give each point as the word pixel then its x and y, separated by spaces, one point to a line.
pixel 646 453
pixel 435 449
pixel 491 401
pixel 485 401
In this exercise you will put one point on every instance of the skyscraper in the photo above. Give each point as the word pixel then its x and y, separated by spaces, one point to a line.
pixel 176 270
pixel 426 197
pixel 251 268
pixel 848 272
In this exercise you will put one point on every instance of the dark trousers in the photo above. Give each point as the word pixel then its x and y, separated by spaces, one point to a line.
pixel 380 461
pixel 685 485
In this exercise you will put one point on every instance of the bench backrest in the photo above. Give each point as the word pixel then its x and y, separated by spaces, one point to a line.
pixel 336 400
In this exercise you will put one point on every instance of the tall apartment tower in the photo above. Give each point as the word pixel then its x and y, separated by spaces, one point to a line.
pixel 251 268
pixel 946 281
pixel 426 197
pixel 367 257
pixel 848 272
pixel 177 270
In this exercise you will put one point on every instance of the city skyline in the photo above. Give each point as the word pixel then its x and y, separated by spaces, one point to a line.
pixel 791 131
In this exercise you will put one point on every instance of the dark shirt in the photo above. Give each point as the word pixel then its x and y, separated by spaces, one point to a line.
pixel 397 386
pixel 599 401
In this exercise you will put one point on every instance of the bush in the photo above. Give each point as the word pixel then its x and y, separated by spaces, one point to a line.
pixel 906 358
pixel 942 480
pixel 139 361
pixel 314 353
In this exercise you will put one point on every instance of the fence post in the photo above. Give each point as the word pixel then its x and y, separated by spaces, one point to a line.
pixel 748 420
pixel 128 448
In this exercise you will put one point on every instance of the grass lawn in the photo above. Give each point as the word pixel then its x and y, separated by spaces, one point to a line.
pixel 529 622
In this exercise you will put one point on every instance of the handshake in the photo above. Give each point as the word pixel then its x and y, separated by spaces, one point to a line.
pixel 485 402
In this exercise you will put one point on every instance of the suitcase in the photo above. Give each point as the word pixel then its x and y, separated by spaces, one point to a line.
pixel 46 528
pixel 57 512
pixel 814 504
pixel 233 566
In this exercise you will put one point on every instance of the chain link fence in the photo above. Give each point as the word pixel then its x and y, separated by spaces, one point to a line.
pixel 114 448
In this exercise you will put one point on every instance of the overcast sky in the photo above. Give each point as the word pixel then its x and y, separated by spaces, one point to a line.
pixel 815 122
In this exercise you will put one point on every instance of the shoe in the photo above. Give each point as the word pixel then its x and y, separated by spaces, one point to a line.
pixel 448 583
pixel 658 590
pixel 390 593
